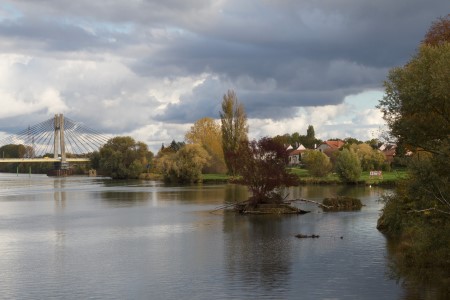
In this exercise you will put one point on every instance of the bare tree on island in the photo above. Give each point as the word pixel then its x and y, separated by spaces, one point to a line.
pixel 234 128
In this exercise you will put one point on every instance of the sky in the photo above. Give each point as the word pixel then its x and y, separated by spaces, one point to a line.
pixel 150 68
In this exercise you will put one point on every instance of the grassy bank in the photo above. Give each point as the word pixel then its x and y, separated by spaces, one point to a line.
pixel 388 178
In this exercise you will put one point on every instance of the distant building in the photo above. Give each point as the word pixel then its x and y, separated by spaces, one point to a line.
pixel 295 156
pixel 329 147
pixel 389 151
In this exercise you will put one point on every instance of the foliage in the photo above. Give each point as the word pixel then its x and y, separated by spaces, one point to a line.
pixel 341 203
pixel 370 158
pixel 417 102
pixel 317 163
pixel 417 110
pixel 184 166
pixel 262 165
pixel 207 133
pixel 175 146
pixel 308 141
pixel 439 32
pixel 348 166
pixel 234 129
pixel 310 138
pixel 351 141
pixel 13 151
pixel 122 158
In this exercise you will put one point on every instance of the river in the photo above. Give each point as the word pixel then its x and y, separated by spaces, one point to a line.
pixel 95 238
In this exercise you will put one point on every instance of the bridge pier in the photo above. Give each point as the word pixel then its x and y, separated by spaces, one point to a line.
pixel 60 168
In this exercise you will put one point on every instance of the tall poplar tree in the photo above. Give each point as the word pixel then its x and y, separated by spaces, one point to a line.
pixel 234 128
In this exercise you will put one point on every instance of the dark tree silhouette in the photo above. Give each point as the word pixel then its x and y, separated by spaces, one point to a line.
pixel 262 165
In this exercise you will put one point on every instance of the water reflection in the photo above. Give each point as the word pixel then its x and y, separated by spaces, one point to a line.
pixel 256 254
pixel 417 284
pixel 65 238
pixel 125 199
pixel 59 194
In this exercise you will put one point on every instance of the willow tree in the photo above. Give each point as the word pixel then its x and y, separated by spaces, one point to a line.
pixel 234 129
pixel 185 165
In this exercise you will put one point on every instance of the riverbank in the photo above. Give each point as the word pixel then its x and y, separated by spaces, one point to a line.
pixel 387 178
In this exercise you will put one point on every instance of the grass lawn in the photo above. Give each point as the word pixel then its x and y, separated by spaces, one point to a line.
pixel 388 177
pixel 215 177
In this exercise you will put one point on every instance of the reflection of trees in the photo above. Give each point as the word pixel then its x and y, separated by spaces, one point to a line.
pixel 125 198
pixel 417 284
pixel 209 194
pixel 318 192
pixel 255 252
pixel 235 193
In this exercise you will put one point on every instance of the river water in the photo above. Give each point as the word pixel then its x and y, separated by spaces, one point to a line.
pixel 95 238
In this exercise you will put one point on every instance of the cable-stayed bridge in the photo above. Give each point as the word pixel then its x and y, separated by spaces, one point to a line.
pixel 59 140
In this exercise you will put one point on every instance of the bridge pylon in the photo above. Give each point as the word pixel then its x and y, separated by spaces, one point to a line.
pixel 61 168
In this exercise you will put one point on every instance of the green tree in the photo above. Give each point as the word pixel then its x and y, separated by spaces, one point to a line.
pixel 234 129
pixel 416 107
pixel 184 166
pixel 417 102
pixel 122 158
pixel 13 151
pixel 310 139
pixel 370 158
pixel 207 133
pixel 317 163
pixel 348 166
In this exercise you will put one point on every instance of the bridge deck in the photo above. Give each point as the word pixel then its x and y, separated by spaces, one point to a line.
pixel 33 160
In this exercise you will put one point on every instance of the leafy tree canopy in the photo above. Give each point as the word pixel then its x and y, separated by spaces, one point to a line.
pixel 348 166
pixel 122 157
pixel 417 109
pixel 207 133
pixel 417 101
pixel 184 166
pixel 317 163
pixel 370 158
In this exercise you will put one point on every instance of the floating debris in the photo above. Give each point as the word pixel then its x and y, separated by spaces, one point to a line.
pixel 305 236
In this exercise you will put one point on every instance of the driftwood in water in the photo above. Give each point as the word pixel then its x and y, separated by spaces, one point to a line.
pixel 268 208
pixel 310 201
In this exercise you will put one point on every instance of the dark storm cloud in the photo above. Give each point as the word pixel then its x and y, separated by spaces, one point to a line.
pixel 320 53
pixel 277 55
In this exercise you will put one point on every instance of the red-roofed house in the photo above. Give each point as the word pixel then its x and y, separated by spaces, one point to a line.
pixel 389 151
pixel 328 147
pixel 295 156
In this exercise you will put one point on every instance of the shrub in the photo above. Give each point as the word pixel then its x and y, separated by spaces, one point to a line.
pixel 348 166
pixel 317 163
